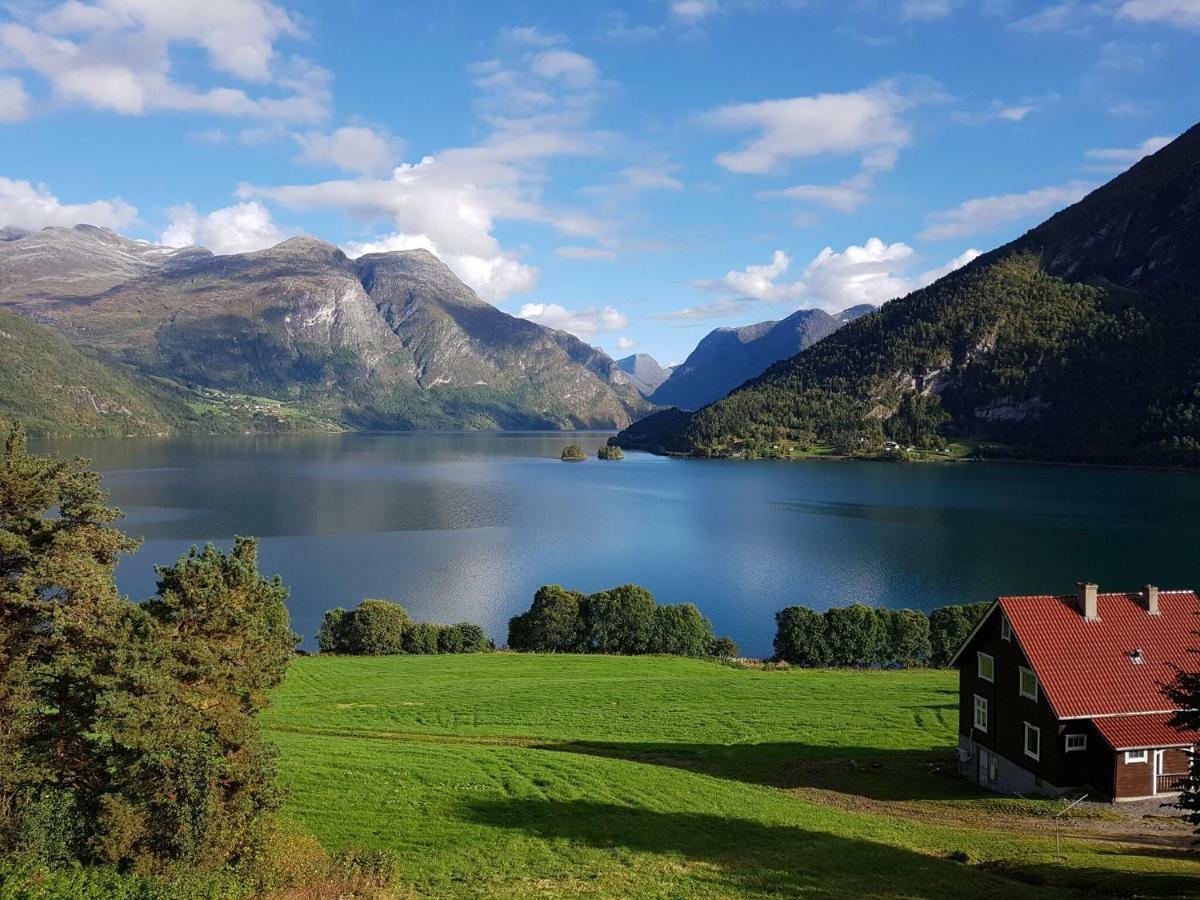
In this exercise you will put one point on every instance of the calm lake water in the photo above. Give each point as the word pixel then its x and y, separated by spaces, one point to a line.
pixel 467 526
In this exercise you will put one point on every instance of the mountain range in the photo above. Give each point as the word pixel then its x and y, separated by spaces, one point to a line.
pixel 645 372
pixel 727 357
pixel 1078 341
pixel 297 335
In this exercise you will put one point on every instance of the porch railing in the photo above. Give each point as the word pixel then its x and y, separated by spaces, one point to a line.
pixel 1169 784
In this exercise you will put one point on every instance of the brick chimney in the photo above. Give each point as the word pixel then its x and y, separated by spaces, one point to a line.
pixel 1085 596
pixel 1150 595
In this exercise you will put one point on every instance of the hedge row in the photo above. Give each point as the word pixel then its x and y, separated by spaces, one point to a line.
pixel 862 636
pixel 382 628
pixel 623 620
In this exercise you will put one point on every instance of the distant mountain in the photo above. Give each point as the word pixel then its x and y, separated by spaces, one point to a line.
pixel 728 357
pixel 1078 341
pixel 389 340
pixel 644 371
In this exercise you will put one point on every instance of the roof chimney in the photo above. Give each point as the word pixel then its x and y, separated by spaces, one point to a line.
pixel 1085 596
pixel 1150 594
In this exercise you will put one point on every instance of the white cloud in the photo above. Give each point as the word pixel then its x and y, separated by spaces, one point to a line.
pixel 1059 17
pixel 866 274
pixel 30 207
pixel 240 228
pixel 493 277
pixel 538 109
pixel 692 11
pixel 625 343
pixel 987 214
pixel 586 253
pixel 925 10
pixel 571 68
pixel 14 102
pixel 530 36
pixel 1118 159
pixel 865 122
pixel 872 273
pixel 846 196
pixel 757 282
pixel 1001 111
pixel 584 323
pixel 929 277
pixel 1177 13
pixel 116 55
pixel 356 148
pixel 649 177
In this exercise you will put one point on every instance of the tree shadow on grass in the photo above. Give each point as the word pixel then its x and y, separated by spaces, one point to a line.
pixel 863 771
pixel 744 856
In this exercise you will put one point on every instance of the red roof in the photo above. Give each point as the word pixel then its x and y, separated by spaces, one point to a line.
pixel 1139 732
pixel 1086 667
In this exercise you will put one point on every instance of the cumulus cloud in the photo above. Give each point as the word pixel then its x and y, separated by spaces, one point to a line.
pixel 355 148
pixel 866 122
pixel 986 214
pixel 240 228
pixel 1118 159
pixel 1176 13
pixel 757 282
pixel 625 343
pixel 30 207
pixel 538 107
pixel 14 102
pixel 585 324
pixel 493 277
pixel 693 11
pixel 834 280
pixel 116 55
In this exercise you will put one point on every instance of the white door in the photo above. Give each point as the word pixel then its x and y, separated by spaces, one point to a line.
pixel 1156 769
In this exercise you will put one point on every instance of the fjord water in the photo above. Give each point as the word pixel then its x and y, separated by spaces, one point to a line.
pixel 467 526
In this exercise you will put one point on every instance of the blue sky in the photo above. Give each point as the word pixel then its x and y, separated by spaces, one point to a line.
pixel 637 173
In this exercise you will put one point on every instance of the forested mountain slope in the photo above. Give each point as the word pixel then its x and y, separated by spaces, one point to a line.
pixel 1078 341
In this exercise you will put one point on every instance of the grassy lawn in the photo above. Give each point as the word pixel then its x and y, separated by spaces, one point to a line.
pixel 518 775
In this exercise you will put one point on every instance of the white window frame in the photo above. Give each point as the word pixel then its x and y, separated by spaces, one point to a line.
pixel 1024 670
pixel 1005 628
pixel 1080 746
pixel 980 656
pixel 981 700
pixel 1038 732
pixel 1136 756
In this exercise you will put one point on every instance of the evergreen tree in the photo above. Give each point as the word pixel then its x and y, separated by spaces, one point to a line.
pixel 1184 692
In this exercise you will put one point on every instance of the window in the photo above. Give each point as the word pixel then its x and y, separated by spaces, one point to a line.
pixel 1029 684
pixel 1033 741
pixel 1076 742
pixel 1135 756
pixel 1005 628
pixel 986 666
pixel 981 712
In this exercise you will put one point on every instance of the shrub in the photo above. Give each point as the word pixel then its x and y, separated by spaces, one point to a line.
pixel 680 630
pixel 800 637
pixel 855 635
pixel 553 623
pixel 420 638
pixel 724 648
pixel 619 620
pixel 377 628
pixel 949 627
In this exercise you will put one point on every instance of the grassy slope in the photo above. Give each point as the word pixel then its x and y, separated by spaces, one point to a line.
pixel 515 775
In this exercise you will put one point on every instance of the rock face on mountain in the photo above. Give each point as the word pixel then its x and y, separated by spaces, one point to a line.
pixel 728 357
pixel 644 371
pixel 389 340
pixel 1077 341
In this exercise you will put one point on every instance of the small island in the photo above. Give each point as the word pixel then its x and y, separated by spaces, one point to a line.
pixel 610 451
pixel 572 453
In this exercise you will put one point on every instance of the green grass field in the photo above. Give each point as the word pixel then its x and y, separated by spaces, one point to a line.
pixel 524 775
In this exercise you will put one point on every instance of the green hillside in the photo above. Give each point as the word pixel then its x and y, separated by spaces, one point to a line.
pixel 523 775
pixel 1078 342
